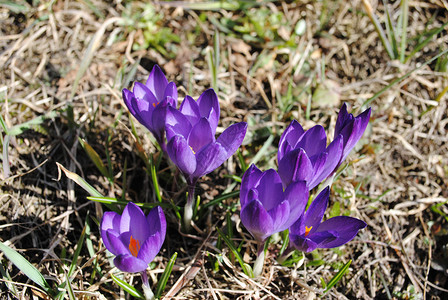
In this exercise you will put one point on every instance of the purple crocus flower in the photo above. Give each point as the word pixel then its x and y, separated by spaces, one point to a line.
pixel 309 232
pixel 190 133
pixel 265 207
pixel 304 155
pixel 351 128
pixel 132 237
pixel 148 102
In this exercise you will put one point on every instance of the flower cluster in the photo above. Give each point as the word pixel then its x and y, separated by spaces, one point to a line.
pixel 187 135
pixel 272 202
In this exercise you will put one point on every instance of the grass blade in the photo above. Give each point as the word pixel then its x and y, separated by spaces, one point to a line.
pixel 165 276
pixel 390 29
pixel 20 128
pixel 71 295
pixel 246 268
pixel 115 201
pixel 94 156
pixel 221 198
pixel 241 160
pixel 338 276
pixel 395 81
pixel 6 169
pixel 127 287
pixel 3 125
pixel 77 252
pixel 374 19
pixel 79 180
pixel 155 182
pixel 425 42
pixel 404 27
pixel 263 150
pixel 26 267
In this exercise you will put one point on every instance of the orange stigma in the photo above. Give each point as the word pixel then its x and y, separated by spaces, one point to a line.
pixel 307 230
pixel 134 246
pixel 155 104
pixel 192 150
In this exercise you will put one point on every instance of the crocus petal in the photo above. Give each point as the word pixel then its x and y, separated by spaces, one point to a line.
pixel 129 263
pixel 157 222
pixel 190 109
pixel 232 137
pixel 313 141
pixel 302 243
pixel 280 215
pixel 315 212
pixel 150 248
pixel 354 134
pixel 133 220
pixel 214 154
pixel 297 195
pixel 209 158
pixel 343 118
pixel 176 123
pixel 131 102
pixel 345 227
pixel 256 220
pixel 310 242
pixel 270 189
pixel 200 135
pixel 209 107
pixel 116 244
pixel 289 138
pixel 110 221
pixel 157 82
pixel 250 179
pixel 333 157
pixel 322 238
pixel 146 99
pixel 171 91
pixel 127 98
pixel 318 162
pixel 158 120
pixel 294 166
pixel 182 156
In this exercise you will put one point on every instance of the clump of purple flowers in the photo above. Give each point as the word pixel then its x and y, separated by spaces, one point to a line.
pixel 271 201
pixel 190 130
pixel 268 204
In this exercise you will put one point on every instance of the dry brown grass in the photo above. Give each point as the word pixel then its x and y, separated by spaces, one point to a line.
pixel 392 182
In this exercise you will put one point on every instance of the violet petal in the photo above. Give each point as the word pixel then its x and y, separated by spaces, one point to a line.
pixel 129 263
pixel 200 135
pixel 256 220
pixel 133 220
pixel 345 227
pixel 209 107
pixel 157 82
pixel 190 109
pixel 182 156
pixel 315 212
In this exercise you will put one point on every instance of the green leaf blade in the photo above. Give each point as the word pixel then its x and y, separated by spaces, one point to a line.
pixel 26 267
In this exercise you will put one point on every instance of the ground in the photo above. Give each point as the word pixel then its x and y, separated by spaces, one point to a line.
pixel 65 63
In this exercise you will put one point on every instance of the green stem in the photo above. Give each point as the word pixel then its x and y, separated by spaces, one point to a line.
pixel 259 262
pixel 149 295
pixel 188 209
